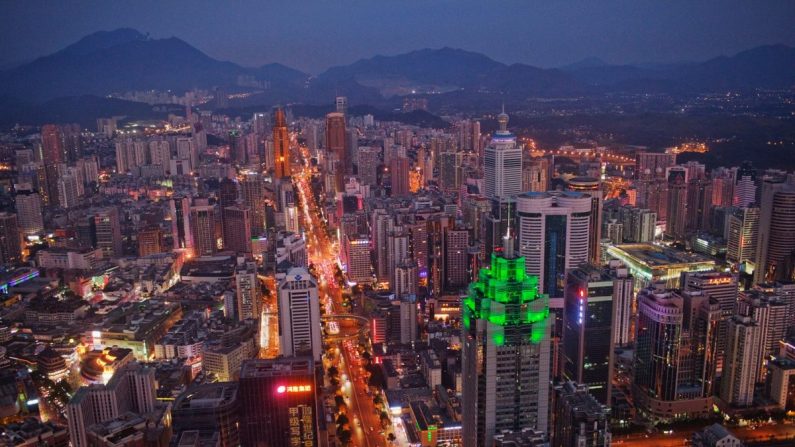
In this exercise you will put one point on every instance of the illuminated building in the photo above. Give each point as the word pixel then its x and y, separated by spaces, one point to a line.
pixel 150 241
pixel 210 406
pixel 299 314
pixel 454 262
pixel 369 158
pixel 674 359
pixel 204 226
pixel 505 352
pixel 237 150
pixel 745 186
pixel 554 235
pixel 591 186
pixel 281 145
pixel 580 419
pixel 107 231
pixel 650 263
pixel 535 175
pixel 356 259
pixel 399 176
pixel 52 365
pixel 237 229
pixel 132 388
pixel 98 366
pixel 653 164
pixel 252 191
pixel 278 403
pixel 28 206
pixel 335 144
pixel 743 357
pixel 10 241
pixel 677 203
pixel 248 291
pixel 587 354
pixel 179 211
pixel 502 163
pixel 776 235
pixel 743 235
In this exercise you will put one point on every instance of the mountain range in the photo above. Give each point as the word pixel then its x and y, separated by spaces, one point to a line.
pixel 127 60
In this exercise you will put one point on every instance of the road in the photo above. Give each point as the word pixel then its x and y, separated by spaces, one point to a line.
pixel 679 438
pixel 323 254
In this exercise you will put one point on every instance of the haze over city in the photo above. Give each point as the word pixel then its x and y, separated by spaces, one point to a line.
pixel 397 223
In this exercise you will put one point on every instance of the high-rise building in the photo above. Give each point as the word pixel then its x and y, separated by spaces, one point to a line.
pixel 591 186
pixel 639 224
pixel 587 354
pixel 722 187
pixel 535 175
pixel 505 352
pixel 335 144
pixel 341 104
pixel 10 243
pixel 653 164
pixel 677 203
pixel 278 403
pixel 745 186
pixel 399 175
pixel 299 314
pixel 237 229
pixel 743 235
pixel 674 361
pixel 623 298
pixel 281 145
pixel 150 241
pixel 210 406
pixel 28 205
pixel 769 311
pixel 132 388
pixel 248 291
pixel 454 262
pixel 502 163
pixel 204 229
pixel 581 420
pixel 356 258
pixel 367 166
pixel 776 235
pixel 107 232
pixel 742 361
pixel 699 204
pixel 252 191
pixel 554 235
pixel 179 211
pixel 237 150
pixel 69 187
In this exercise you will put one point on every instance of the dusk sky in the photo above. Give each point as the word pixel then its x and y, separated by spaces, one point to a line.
pixel 313 35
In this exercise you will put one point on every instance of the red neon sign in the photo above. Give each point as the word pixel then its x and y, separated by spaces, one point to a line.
pixel 281 389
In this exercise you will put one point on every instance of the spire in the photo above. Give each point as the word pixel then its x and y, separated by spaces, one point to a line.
pixel 502 118
pixel 507 240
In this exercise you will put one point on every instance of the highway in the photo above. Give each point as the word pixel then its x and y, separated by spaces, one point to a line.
pixel 323 254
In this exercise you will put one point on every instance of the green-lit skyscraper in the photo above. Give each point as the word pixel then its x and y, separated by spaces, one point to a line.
pixel 505 351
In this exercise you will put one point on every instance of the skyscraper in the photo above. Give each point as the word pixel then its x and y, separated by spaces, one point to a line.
pixel 281 145
pixel 252 191
pixel 502 163
pixel 677 203
pixel 745 186
pixel 454 262
pixel 399 175
pixel 278 403
pixel 179 211
pixel 776 235
pixel 237 229
pixel 743 235
pixel 299 314
pixel 204 229
pixel 505 352
pixel 653 164
pixel 587 355
pixel 150 241
pixel 554 233
pixel 675 353
pixel 28 205
pixel 107 232
pixel 10 248
pixel 742 361
pixel 335 144
pixel 591 186
pixel 248 291
pixel 580 419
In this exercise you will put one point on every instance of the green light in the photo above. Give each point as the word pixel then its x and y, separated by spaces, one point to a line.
pixel 498 338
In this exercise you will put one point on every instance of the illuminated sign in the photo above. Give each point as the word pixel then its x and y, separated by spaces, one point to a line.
pixel 281 389
pixel 717 281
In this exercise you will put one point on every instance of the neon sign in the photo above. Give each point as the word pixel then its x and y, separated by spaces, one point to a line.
pixel 281 389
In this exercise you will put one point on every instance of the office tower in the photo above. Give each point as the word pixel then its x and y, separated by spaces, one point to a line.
pixel 768 311
pixel 742 361
pixel 505 352
pixel 554 233
pixel 52 155
pixel 652 193
pixel 186 150
pixel 722 187
pixel 419 245
pixel 397 251
pixel 677 203
pixel 179 211
pixel 237 229
pixel 281 145
pixel 204 229
pixel 107 232
pixel 248 291
pixel 721 287
pixel 639 224
pixel 210 407
pixel 776 235
pixel 252 191
pixel 623 296
pixel 382 224
pixel 341 104
pixel 68 190
pixel 29 216
pixel 367 166
pixel 449 165
pixel 587 356
pixel 10 243
pixel 699 204
pixel 535 175
pixel 405 279
pixel 299 314
pixel 581 420
pixel 278 403
pixel 652 164
pixel 150 241
pixel 399 175
pixel 237 150
pixel 591 186
pixel 743 235
pixel 132 388
pixel 228 192
pixel 454 262
pixel 335 144
pixel 674 362
pixel 745 186
pixel 502 163
pixel 356 258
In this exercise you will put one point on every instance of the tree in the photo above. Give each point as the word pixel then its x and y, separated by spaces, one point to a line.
pixel 384 419
pixel 342 420
pixel 391 437
pixel 339 400
pixel 345 436
pixel 333 371
pixel 378 400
